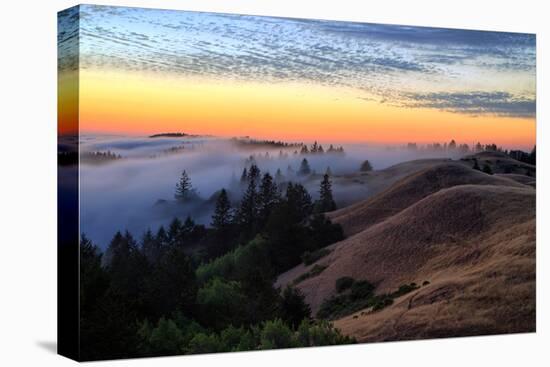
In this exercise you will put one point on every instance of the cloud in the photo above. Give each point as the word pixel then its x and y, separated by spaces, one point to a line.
pixel 374 59
pixel 475 103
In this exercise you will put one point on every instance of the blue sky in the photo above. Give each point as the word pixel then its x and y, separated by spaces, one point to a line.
pixel 472 72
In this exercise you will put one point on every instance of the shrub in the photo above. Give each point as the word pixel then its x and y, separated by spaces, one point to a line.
pixel 382 302
pixel 424 283
pixel 315 270
pixel 361 296
pixel 276 334
pixel 221 303
pixel 404 289
pixel 343 283
pixel 333 307
pixel 238 263
pixel 365 166
pixel 204 343
pixel 319 334
pixel 361 289
pixel 309 258
pixel 166 338
pixel 231 337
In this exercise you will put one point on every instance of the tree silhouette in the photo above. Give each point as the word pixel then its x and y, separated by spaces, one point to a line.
pixel 184 188
pixel 254 175
pixel 299 202
pixel 326 202
pixel 247 213
pixel 151 247
pixel 267 197
pixel 244 177
pixel 365 166
pixel 294 309
pixel 305 169
pixel 487 169
pixel 222 213
pixel 175 232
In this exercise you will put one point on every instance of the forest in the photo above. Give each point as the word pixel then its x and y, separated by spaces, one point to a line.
pixel 191 288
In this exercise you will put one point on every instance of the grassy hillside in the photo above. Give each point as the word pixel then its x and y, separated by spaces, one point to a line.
pixel 466 238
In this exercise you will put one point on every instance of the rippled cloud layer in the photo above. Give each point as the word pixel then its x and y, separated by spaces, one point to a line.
pixel 456 70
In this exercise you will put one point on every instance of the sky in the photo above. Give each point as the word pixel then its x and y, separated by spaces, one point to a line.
pixel 143 71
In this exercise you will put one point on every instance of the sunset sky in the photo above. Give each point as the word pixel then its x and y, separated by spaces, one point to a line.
pixel 144 71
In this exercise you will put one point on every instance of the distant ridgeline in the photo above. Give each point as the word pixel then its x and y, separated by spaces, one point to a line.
pixel 299 148
pixel 99 157
pixel 248 142
pixel 453 146
pixel 173 135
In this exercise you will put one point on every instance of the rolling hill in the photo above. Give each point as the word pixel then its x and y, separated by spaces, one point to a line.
pixel 469 237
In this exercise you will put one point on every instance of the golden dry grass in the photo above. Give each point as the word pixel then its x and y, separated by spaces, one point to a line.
pixel 471 235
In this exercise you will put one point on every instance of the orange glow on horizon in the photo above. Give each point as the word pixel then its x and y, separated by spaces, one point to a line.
pixel 67 103
pixel 145 104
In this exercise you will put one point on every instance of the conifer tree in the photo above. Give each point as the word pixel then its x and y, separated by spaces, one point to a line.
pixel 174 232
pixel 184 188
pixel 149 247
pixel 314 148
pixel 366 166
pixel 267 197
pixel 247 214
pixel 254 175
pixel 222 213
pixel 244 177
pixel 305 169
pixel 326 202
pixel 299 201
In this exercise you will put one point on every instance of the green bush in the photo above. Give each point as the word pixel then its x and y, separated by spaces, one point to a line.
pixel 333 307
pixel 361 289
pixel 276 334
pixel 313 272
pixel 238 263
pixel 320 333
pixel 220 303
pixel 382 302
pixel 204 343
pixel 361 296
pixel 166 338
pixel 404 289
pixel 230 338
pixel 309 258
pixel 343 283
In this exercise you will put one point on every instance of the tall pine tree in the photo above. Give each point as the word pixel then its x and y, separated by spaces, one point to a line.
pixel 326 201
pixel 184 188
pixel 267 197
pixel 247 214
pixel 222 213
